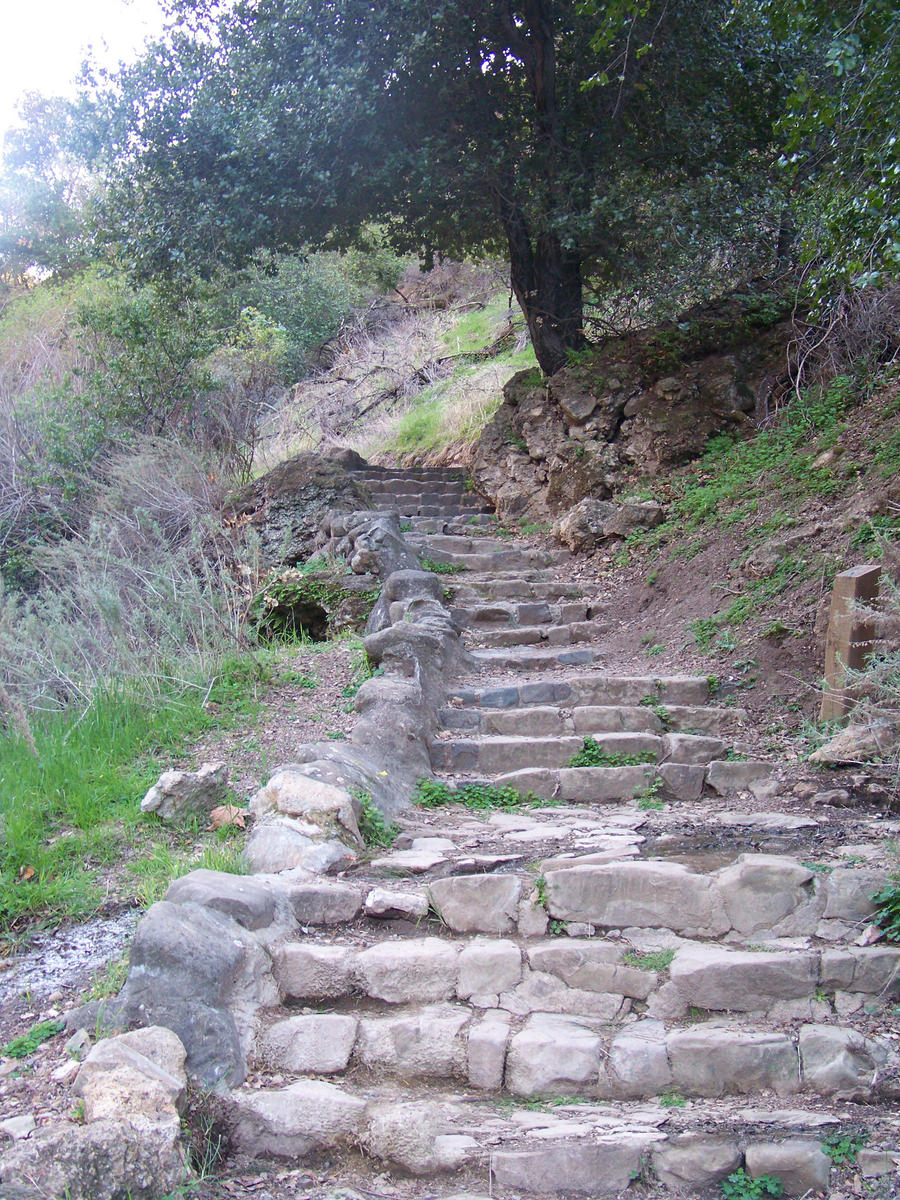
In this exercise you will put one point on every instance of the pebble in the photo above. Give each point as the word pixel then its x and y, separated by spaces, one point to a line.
pixel 19 1127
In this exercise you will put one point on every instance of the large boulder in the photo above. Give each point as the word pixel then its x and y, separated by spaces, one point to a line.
pixel 287 505
pixel 591 522
pixel 180 794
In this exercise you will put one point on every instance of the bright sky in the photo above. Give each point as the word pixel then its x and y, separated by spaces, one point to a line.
pixel 44 42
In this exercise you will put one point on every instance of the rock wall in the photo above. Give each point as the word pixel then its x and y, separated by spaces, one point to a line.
pixel 635 407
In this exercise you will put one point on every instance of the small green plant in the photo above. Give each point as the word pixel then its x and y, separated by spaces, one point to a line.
pixel 659 710
pixel 887 905
pixel 27 1043
pixel 540 887
pixel 672 1100
pixel 111 979
pixel 431 793
pixel 655 650
pixel 441 568
pixel 374 829
pixel 592 754
pixel 741 1186
pixel 842 1148
pixel 649 960
pixel 557 928
pixel 649 798
pixel 76 1113
pixel 817 868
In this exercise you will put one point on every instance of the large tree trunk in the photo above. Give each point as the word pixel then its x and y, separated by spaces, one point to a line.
pixel 545 277
pixel 546 281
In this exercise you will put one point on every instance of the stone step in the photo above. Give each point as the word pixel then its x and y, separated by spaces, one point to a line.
pixel 431 543
pixel 753 898
pixel 443 497
pixel 576 1052
pixel 465 526
pixel 373 472
pixel 522 585
pixel 559 634
pixel 545 1147
pixel 503 559
pixel 547 720
pixel 538 658
pixel 519 615
pixel 494 754
pixel 443 511
pixel 592 688
pixel 618 785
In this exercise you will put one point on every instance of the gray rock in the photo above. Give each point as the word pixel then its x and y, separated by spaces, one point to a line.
pixel 598 1168
pixel 17 1128
pixel 421 1044
pixel 316 1043
pixel 418 1137
pixel 392 906
pixel 715 1061
pixel 874 1163
pixel 638 1063
pixel 417 970
pixel 294 793
pixel 477 903
pixel 695 1160
pixel 859 743
pixel 294 1121
pixel 282 844
pixel 247 901
pixel 180 794
pixel 488 967
pixel 138 1074
pixel 486 1050
pixel 742 981
pixel 800 1164
pixel 591 966
pixel 105 1160
pixel 552 1055
pixel 759 890
pixel 311 972
pixel 651 894
pixel 591 522
pixel 324 903
pixel 848 893
pixel 726 777
pixel 839 1060
pixel 197 972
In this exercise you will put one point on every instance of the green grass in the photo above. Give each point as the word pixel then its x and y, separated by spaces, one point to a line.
pixel 375 830
pixel 649 960
pixel 441 568
pixel 73 808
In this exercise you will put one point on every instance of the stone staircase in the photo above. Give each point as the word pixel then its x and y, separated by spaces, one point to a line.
pixel 589 992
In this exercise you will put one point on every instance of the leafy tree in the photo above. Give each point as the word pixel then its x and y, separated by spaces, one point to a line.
pixel 843 148
pixel 557 132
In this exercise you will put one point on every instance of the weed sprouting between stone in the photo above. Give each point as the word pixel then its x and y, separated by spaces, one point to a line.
pixel 431 793
pixel 592 754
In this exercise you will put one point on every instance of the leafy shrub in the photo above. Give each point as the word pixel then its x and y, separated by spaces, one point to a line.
pixel 592 754
pixel 741 1186
pixel 431 793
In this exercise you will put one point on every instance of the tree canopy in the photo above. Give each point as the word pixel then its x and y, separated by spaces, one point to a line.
pixel 582 140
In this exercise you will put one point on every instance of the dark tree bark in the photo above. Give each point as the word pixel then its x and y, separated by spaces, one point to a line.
pixel 546 281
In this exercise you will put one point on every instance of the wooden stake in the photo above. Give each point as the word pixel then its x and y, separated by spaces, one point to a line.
pixel 850 637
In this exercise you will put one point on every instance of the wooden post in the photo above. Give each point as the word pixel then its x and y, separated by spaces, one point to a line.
pixel 850 637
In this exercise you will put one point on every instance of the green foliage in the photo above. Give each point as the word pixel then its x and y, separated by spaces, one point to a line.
pixel 672 1100
pixel 431 793
pixel 592 754
pixel 842 1148
pixel 887 904
pixel 296 603
pixel 375 830
pixel 649 960
pixel 659 710
pixel 394 118
pixel 741 1186
pixel 441 568
pixel 21 1047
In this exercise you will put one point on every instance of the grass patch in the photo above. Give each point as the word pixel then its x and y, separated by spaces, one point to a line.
pixel 649 960
pixel 592 754
pixel 71 807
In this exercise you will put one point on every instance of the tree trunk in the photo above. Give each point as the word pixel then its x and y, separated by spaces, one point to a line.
pixel 546 281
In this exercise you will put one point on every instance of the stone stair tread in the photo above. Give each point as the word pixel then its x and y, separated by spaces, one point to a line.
pixel 556 634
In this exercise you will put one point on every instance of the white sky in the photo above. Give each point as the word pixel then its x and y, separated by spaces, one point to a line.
pixel 44 42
